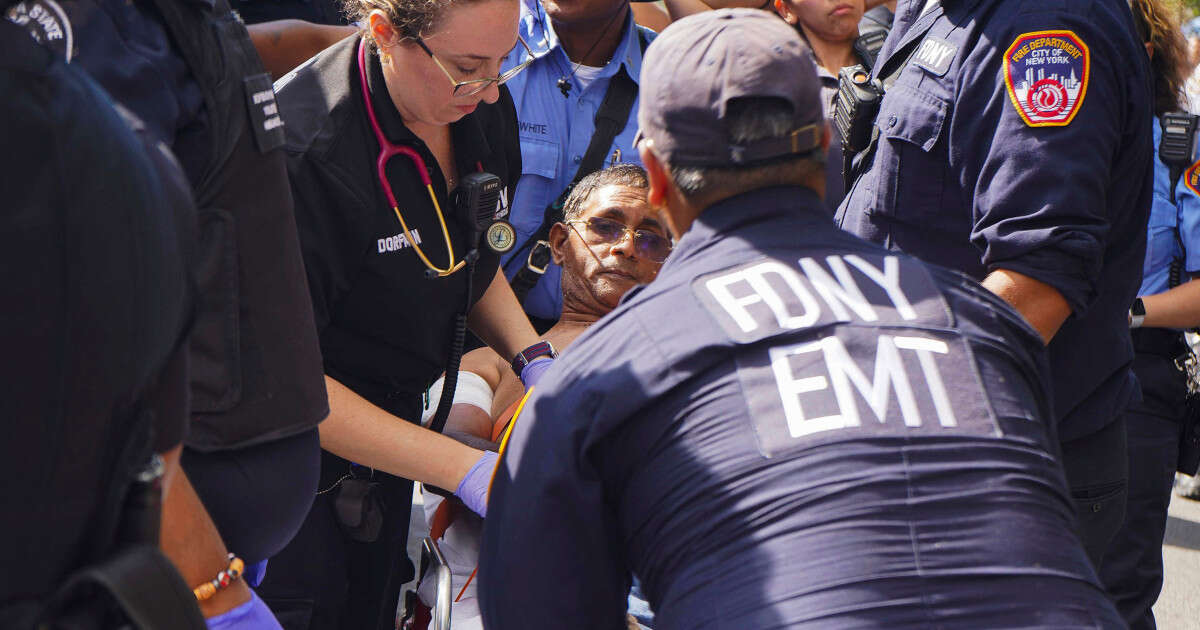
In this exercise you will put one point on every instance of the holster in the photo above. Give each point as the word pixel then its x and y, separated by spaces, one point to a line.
pixel 359 509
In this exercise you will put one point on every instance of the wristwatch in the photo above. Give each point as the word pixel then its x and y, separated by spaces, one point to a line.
pixel 526 356
pixel 1137 313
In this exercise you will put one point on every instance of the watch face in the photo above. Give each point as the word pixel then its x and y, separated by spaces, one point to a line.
pixel 1138 307
pixel 500 237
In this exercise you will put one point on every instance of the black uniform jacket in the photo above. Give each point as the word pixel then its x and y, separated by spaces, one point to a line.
pixel 385 329
pixel 187 68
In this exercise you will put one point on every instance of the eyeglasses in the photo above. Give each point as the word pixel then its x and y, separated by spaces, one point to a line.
pixel 646 244
pixel 475 86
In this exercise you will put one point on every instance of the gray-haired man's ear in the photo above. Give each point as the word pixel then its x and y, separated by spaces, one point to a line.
pixel 559 234
pixel 659 178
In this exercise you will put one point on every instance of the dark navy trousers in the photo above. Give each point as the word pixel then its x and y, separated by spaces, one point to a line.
pixel 1132 570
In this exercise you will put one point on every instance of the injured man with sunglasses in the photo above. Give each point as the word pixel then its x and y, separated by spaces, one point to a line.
pixel 608 242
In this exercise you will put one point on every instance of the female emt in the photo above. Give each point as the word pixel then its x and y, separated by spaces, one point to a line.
pixel 389 133
pixel 1132 570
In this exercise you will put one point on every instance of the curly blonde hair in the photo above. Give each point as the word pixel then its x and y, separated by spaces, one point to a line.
pixel 411 18
pixel 1157 23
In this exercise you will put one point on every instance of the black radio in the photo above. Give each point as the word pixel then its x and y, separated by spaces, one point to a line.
pixel 478 200
pixel 1178 137
pixel 854 109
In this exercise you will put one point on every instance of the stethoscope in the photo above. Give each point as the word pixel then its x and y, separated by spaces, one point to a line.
pixel 387 150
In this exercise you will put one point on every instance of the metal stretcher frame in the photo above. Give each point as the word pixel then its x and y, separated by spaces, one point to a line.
pixel 432 558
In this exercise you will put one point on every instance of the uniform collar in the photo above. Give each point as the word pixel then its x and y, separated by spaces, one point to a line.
pixel 543 41
pixel 732 214
pixel 470 143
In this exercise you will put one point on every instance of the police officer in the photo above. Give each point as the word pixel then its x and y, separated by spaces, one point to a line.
pixel 97 302
pixel 1133 567
pixel 386 130
pixel 789 427
pixel 189 71
pixel 1012 145
pixel 583 53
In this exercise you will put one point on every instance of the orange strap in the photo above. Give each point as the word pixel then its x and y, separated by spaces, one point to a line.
pixel 505 418
pixel 443 517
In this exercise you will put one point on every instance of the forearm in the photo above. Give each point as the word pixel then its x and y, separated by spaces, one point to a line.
pixel 363 433
pixel 190 539
pixel 285 44
pixel 1039 303
pixel 650 15
pixel 1176 308
pixel 498 320
pixel 678 9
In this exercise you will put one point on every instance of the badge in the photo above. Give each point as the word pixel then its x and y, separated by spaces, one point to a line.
pixel 46 23
pixel 935 55
pixel 500 236
pixel 1191 178
pixel 1046 73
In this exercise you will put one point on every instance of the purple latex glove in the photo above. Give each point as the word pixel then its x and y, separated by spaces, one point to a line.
pixel 253 615
pixel 473 489
pixel 255 573
pixel 533 372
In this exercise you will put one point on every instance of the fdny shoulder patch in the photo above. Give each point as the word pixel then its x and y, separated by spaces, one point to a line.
pixel 1046 73
pixel 1191 178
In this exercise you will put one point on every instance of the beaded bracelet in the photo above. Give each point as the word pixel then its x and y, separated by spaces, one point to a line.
pixel 223 579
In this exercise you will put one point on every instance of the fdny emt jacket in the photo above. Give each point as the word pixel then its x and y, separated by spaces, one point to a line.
pixel 790 428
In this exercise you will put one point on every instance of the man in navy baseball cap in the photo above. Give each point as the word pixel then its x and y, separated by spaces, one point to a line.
pixel 710 62
pixel 789 427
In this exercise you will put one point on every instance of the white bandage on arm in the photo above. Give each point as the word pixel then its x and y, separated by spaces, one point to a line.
pixel 471 390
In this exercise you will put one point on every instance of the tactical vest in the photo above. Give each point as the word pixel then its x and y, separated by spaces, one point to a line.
pixel 255 361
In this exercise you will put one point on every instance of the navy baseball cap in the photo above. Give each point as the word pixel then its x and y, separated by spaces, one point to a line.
pixel 701 63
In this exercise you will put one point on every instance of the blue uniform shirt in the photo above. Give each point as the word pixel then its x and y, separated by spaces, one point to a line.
pixel 1174 228
pixel 790 428
pixel 555 132
pixel 1015 138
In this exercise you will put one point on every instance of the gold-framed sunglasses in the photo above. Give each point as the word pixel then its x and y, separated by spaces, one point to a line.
pixel 475 86
pixel 602 231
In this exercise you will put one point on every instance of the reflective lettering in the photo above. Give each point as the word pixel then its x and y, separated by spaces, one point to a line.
pixel 848 383
pixel 791 388
pixel 933 378
pixel 889 375
pixel 836 293
pixel 756 278
pixel 397 242
pixel 934 52
pixel 888 280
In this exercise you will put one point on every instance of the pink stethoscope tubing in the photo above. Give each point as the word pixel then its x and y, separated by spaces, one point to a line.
pixel 387 150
